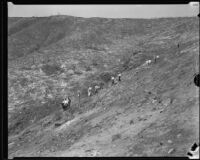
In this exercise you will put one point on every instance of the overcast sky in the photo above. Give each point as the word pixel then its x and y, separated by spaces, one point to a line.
pixel 108 11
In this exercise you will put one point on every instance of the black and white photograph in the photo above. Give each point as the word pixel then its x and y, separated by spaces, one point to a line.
pixel 103 80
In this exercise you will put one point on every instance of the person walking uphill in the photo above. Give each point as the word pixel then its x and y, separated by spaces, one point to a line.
pixel 89 91
pixel 79 96
pixel 155 58
pixel 112 80
pixel 96 89
pixel 119 77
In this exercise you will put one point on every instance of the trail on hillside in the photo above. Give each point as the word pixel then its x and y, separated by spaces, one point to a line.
pixel 127 129
pixel 153 111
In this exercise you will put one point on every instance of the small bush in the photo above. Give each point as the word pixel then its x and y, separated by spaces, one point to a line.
pixel 57 116
pixel 105 76
pixel 115 137
pixel 77 72
pixel 94 62
pixel 51 69
pixel 23 81
pixel 88 68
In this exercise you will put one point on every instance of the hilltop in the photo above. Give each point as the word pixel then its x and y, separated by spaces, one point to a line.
pixel 50 57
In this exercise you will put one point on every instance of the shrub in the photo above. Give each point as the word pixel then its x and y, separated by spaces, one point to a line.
pixel 57 116
pixel 115 137
pixel 51 69
pixel 105 76
pixel 23 81
pixel 77 72
pixel 94 62
pixel 88 68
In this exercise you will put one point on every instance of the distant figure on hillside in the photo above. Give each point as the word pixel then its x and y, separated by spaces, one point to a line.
pixel 113 80
pixel 155 58
pixel 66 103
pixel 147 62
pixel 96 89
pixel 79 93
pixel 119 77
pixel 178 45
pixel 89 91
pixel 79 96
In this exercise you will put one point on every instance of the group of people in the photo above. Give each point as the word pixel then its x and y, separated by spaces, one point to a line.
pixel 67 101
pixel 97 87
pixel 147 62
pixel 113 79
pixel 96 90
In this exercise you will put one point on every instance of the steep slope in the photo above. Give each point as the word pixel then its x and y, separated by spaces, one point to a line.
pixel 154 108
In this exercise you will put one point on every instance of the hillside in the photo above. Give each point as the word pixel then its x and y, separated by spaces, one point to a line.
pixel 154 108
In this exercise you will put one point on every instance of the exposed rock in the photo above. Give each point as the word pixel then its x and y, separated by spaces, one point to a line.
pixel 115 137
pixel 154 101
pixel 179 135
pixel 70 71
pixel 172 150
pixel 169 141
pixel 166 102
pixel 95 153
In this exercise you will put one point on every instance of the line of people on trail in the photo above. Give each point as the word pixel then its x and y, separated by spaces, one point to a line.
pixel 67 101
pixel 97 87
pixel 148 62
pixel 113 79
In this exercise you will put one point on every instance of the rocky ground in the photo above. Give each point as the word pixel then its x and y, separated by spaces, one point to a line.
pixel 153 111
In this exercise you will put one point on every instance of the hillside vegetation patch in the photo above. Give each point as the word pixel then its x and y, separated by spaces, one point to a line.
pixel 52 69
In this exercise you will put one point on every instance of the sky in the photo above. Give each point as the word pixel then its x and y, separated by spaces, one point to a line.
pixel 106 11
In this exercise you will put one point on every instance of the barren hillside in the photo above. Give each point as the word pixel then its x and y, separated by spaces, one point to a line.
pixel 154 109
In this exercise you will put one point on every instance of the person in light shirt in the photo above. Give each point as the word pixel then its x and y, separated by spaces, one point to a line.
pixel 113 80
pixel 96 89
pixel 89 91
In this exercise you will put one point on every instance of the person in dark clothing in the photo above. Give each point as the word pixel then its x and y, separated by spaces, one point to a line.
pixel 119 77
pixel 66 103
pixel 155 58
pixel 113 80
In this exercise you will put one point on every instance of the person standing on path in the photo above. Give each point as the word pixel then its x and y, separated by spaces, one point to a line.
pixel 113 80
pixel 89 91
pixel 79 96
pixel 119 77
pixel 96 89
